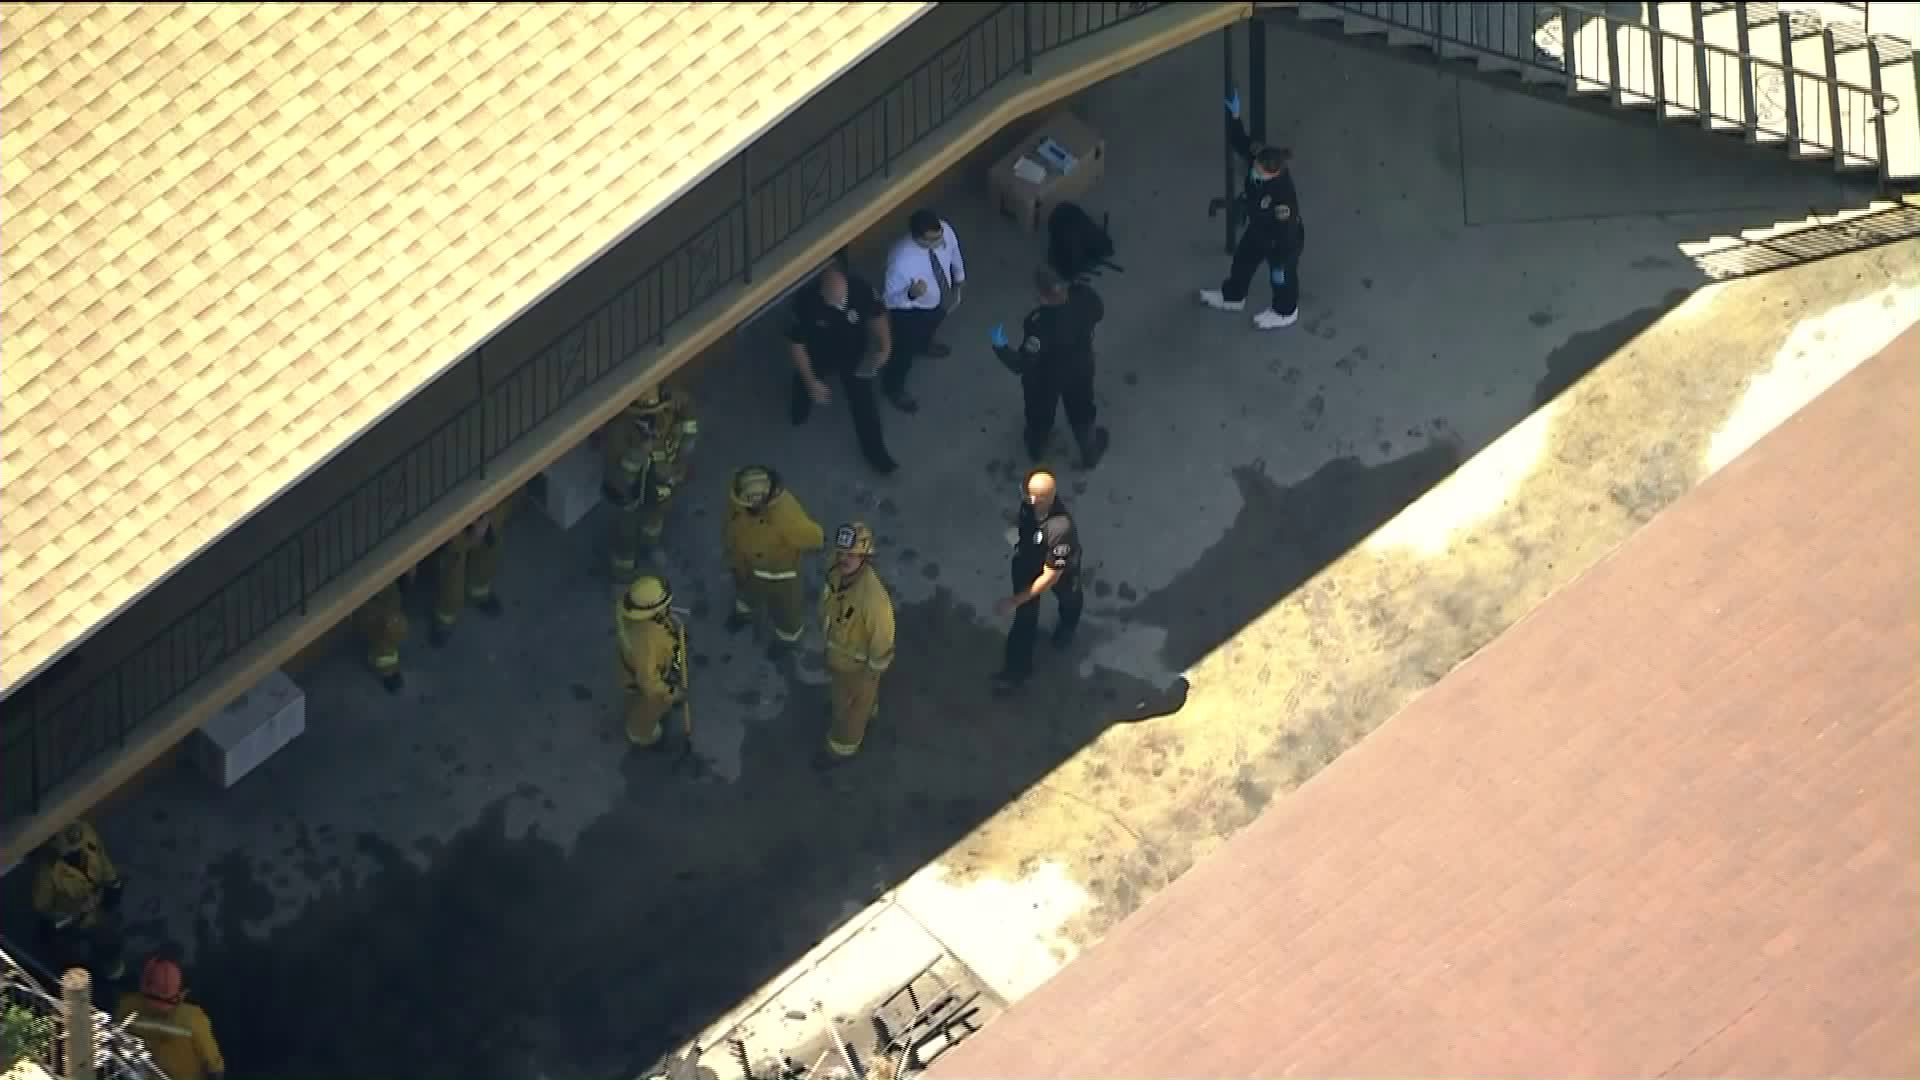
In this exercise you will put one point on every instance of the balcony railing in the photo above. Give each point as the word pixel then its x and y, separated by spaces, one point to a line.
pixel 47 742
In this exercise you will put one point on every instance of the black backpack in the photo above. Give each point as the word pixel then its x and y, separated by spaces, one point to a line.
pixel 1078 247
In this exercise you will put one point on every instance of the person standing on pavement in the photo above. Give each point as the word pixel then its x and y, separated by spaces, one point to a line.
pixel 177 1032
pixel 767 534
pixel 464 570
pixel 653 659
pixel 856 616
pixel 1046 559
pixel 1274 234
pixel 1054 360
pixel 841 332
pixel 925 280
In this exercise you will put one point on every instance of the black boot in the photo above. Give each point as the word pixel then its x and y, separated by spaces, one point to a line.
pixel 1093 445
pixel 394 682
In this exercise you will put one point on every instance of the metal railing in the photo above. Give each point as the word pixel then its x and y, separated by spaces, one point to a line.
pixel 46 741
pixel 33 1025
pixel 1641 65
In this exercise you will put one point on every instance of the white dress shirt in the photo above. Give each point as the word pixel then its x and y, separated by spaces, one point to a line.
pixel 907 263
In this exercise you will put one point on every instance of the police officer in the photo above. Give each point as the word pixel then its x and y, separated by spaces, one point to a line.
pixel 1274 233
pixel 1046 559
pixel 840 334
pixel 1055 363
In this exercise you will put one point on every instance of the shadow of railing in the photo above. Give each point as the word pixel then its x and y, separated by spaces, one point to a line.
pixel 1811 243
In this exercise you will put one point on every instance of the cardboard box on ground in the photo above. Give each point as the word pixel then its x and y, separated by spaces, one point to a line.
pixel 1060 161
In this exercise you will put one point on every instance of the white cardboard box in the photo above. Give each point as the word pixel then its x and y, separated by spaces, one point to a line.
pixel 251 729
pixel 570 487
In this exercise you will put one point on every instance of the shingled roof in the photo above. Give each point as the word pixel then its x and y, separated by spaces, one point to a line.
pixel 236 235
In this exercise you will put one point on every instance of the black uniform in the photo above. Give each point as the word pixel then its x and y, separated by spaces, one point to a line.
pixel 1274 233
pixel 1054 359
pixel 836 342
pixel 1049 541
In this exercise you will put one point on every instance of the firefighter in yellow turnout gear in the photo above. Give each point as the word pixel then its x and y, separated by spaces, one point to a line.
pixel 177 1032
pixel 653 660
pixel 767 534
pixel 857 617
pixel 76 894
pixel 464 569
pixel 382 622
pixel 645 452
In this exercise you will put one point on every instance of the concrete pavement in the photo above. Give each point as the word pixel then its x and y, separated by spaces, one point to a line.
pixel 474 878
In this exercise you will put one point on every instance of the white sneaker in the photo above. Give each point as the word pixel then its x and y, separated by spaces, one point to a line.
pixel 1273 320
pixel 1213 299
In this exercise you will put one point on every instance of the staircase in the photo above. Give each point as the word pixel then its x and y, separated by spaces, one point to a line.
pixel 1809 79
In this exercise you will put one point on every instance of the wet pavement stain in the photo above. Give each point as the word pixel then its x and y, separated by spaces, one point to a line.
pixel 515 956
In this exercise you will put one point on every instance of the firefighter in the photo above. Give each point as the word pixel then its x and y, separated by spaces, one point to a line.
pixel 856 616
pixel 178 1033
pixel 653 660
pixel 1054 361
pixel 383 623
pixel 76 894
pixel 645 453
pixel 464 568
pixel 767 533
pixel 1274 234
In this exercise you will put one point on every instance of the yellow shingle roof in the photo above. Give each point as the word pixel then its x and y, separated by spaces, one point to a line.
pixel 234 235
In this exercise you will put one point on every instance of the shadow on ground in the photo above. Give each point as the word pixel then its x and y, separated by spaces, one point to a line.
pixel 511 948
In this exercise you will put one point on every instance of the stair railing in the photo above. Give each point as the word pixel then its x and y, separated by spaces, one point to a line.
pixel 1736 88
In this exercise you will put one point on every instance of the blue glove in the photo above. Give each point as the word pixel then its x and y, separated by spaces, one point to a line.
pixel 999 335
pixel 1233 104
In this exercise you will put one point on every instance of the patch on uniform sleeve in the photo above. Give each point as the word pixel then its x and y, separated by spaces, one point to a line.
pixel 1032 344
pixel 1063 551
pixel 1283 212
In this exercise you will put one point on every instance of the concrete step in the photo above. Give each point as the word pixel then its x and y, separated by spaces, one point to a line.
pixel 1496 37
pixel 1729 89
pixel 1586 45
pixel 1860 122
pixel 1769 80
pixel 1677 45
pixel 1820 137
pixel 1901 78
pixel 1636 86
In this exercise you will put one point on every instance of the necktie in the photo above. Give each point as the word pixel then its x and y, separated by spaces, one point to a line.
pixel 940 279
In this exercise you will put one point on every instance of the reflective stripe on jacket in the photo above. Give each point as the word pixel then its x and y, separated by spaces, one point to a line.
pixel 769 544
pixel 856 616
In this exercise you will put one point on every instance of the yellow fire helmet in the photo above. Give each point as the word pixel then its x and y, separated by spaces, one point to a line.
pixel 69 840
pixel 652 399
pixel 853 538
pixel 754 486
pixel 646 597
